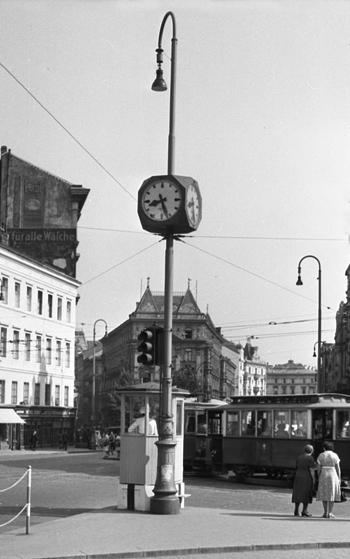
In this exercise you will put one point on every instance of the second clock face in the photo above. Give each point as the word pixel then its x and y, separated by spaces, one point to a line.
pixel 193 205
pixel 161 200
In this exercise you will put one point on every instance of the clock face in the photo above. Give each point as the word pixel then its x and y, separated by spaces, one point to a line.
pixel 192 205
pixel 161 200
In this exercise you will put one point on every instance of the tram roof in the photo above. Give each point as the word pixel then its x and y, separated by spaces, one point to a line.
pixel 309 400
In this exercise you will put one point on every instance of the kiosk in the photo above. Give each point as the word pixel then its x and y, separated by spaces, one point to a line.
pixel 138 452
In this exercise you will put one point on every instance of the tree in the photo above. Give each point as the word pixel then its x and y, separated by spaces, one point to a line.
pixel 186 378
pixel 110 400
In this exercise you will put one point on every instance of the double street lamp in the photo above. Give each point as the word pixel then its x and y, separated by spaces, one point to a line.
pixel 320 383
pixel 94 369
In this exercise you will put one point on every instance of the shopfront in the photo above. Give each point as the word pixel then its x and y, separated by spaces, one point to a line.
pixel 48 422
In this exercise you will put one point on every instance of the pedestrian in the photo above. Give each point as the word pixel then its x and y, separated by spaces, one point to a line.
pixel 111 443
pixel 304 481
pixel 33 440
pixel 139 425
pixel 328 466
pixel 65 440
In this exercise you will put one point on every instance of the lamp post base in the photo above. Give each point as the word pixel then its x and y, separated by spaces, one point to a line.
pixel 165 505
pixel 165 500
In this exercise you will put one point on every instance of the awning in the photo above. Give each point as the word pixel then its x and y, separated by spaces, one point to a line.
pixel 8 415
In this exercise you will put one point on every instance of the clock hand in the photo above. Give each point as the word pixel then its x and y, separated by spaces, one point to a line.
pixel 162 200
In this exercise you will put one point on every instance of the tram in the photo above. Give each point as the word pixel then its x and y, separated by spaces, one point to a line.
pixel 265 434
pixel 198 434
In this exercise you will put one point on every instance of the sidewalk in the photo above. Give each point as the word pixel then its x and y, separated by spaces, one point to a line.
pixel 115 534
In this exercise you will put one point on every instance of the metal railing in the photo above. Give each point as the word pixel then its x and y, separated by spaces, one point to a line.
pixel 28 503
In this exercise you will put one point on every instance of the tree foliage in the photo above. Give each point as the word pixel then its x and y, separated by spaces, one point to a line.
pixel 186 377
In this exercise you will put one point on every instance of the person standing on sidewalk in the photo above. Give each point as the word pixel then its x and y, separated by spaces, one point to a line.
pixel 328 478
pixel 304 481
pixel 33 440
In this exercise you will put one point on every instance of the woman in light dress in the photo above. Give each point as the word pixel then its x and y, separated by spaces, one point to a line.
pixel 328 478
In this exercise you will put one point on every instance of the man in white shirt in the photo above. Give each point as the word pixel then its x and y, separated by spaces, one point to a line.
pixel 139 425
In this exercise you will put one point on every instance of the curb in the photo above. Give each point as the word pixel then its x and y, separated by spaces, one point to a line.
pixel 201 551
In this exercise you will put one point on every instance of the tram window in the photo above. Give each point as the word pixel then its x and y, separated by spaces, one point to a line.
pixel 298 424
pixel 248 423
pixel 190 426
pixel 214 424
pixel 232 425
pixel 342 424
pixel 202 424
pixel 281 424
pixel 264 424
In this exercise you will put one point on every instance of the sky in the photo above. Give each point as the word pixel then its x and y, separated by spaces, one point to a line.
pixel 262 122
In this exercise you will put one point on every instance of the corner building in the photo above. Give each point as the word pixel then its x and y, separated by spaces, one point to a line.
pixel 38 292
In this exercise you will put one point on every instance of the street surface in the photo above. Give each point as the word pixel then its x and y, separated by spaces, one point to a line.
pixel 69 484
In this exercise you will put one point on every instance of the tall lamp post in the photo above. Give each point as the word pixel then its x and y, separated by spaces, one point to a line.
pixel 320 383
pixel 168 205
pixel 164 500
pixel 94 369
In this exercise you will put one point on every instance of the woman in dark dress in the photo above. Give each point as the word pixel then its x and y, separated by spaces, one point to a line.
pixel 304 481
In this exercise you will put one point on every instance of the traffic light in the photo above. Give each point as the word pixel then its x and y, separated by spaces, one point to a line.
pixel 150 346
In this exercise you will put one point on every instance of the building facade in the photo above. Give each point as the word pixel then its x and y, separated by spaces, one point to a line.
pixel 38 295
pixel 291 378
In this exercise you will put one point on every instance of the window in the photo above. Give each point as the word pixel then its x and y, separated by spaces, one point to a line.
pixel 188 333
pixel 38 349
pixel 59 308
pixel 47 394
pixel 3 342
pixel 37 394
pixel 66 395
pixel 67 354
pixel 58 352
pixel 342 424
pixel 248 423
pixel 14 392
pixel 281 424
pixel 2 391
pixel 57 395
pixel 232 426
pixel 29 298
pixel 5 290
pixel 26 391
pixel 69 311
pixel 15 350
pixel 188 355
pixel 264 423
pixel 17 294
pixel 48 350
pixel 40 302
pixel 27 342
pixel 49 305
pixel 298 424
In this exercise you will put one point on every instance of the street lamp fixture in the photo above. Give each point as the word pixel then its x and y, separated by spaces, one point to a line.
pixel 320 380
pixel 94 368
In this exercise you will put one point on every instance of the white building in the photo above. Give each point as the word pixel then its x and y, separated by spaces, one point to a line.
pixel 37 338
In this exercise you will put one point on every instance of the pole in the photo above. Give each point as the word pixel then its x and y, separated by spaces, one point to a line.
pixel 320 379
pixel 93 379
pixel 320 373
pixel 165 500
pixel 94 369
pixel 29 494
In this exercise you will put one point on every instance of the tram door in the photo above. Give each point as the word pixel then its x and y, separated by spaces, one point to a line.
pixel 322 424
pixel 215 437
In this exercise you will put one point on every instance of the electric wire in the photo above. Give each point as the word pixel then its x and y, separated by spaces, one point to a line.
pixel 67 131
pixel 253 274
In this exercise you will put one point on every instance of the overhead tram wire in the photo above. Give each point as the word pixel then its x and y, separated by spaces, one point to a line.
pixel 252 273
pixel 67 131
pixel 119 263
